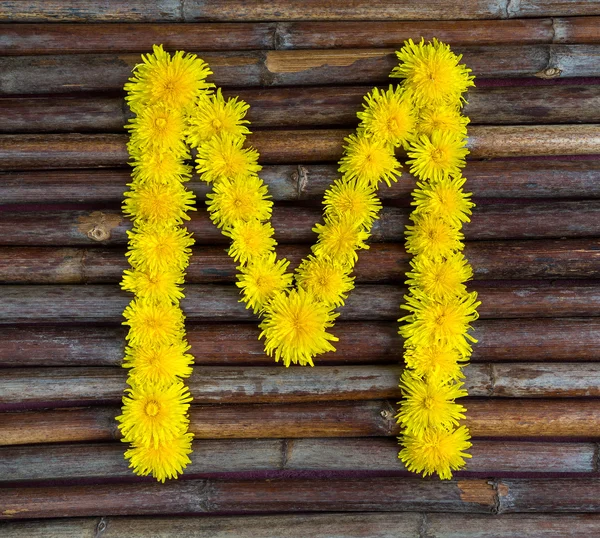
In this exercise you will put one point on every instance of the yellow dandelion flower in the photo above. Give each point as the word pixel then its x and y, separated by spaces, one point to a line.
pixel 325 279
pixel 444 198
pixel 176 81
pixel 158 364
pixel 388 115
pixel 239 199
pixel 154 414
pixel 250 239
pixel 444 322
pixel 429 404
pixel 223 157
pixel 352 198
pixel 441 361
pixel 436 451
pixel 439 277
pixel 166 204
pixel 339 239
pixel 212 115
pixel 153 324
pixel 433 236
pixel 157 128
pixel 167 460
pixel 446 118
pixel 159 167
pixel 369 160
pixel 432 72
pixel 295 328
pixel 438 157
pixel 262 279
pixel 154 286
pixel 159 248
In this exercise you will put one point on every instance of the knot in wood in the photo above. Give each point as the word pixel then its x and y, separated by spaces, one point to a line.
pixel 98 226
pixel 549 72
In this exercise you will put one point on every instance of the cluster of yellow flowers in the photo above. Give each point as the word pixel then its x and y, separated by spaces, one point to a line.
pixel 154 419
pixel 437 342
pixel 297 309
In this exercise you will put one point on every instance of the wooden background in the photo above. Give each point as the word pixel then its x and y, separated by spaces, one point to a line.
pixel 300 452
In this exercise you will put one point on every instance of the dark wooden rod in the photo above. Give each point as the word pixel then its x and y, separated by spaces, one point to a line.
pixel 306 107
pixel 543 340
pixel 26 388
pixel 238 10
pixel 547 178
pixel 68 38
pixel 109 72
pixel 331 525
pixel 486 417
pixel 382 262
pixel 218 303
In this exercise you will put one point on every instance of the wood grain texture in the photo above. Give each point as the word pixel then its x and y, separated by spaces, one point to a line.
pixel 543 340
pixel 547 178
pixel 306 107
pixel 42 151
pixel 486 417
pixel 293 225
pixel 219 303
pixel 333 525
pixel 382 262
pixel 74 387
pixel 506 495
pixel 267 10
pixel 109 72
pixel 104 461
pixel 69 38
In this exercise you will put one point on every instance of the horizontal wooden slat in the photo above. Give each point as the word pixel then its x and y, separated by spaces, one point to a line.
pixel 368 455
pixel 547 178
pixel 498 418
pixel 307 107
pixel 382 262
pixel 66 38
pixel 360 342
pixel 534 220
pixel 332 525
pixel 504 495
pixel 72 387
pixel 215 303
pixel 35 151
pixel 109 72
pixel 239 10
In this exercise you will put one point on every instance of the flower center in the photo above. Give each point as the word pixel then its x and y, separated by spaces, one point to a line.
pixel 152 408
pixel 160 123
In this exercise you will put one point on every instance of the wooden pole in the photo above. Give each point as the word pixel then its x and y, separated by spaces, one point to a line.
pixel 109 72
pixel 206 302
pixel 543 340
pixel 228 457
pixel 72 387
pixel 493 418
pixel 307 107
pixel 547 178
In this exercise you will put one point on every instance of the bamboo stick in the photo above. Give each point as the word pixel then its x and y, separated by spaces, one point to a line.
pixel 109 72
pixel 527 220
pixel 228 457
pixel 304 495
pixel 331 525
pixel 68 38
pixel 176 10
pixel 216 303
pixel 72 387
pixel 35 151
pixel 493 418
pixel 543 340
pixel 547 178
pixel 382 262
pixel 307 107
